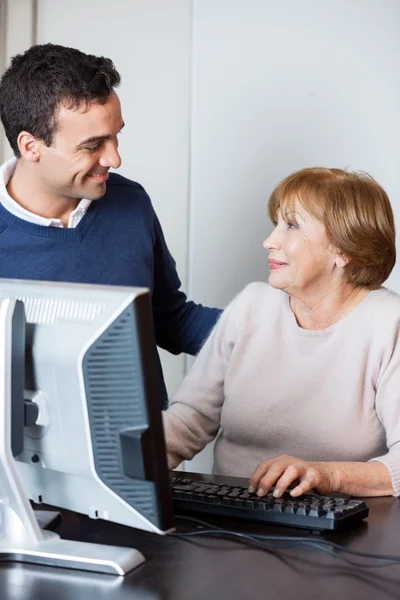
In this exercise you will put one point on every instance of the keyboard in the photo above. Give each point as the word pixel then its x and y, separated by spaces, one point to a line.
pixel 310 511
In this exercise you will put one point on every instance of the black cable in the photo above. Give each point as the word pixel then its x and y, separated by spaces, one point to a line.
pixel 256 540
pixel 253 542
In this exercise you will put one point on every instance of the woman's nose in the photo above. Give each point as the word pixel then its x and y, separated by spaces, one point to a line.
pixel 272 241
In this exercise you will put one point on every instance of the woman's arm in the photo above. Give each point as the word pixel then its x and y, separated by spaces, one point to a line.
pixel 387 405
pixel 187 431
pixel 194 415
pixel 363 479
pixel 354 478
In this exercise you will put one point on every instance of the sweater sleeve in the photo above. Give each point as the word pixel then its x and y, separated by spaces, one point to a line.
pixel 387 404
pixel 180 325
pixel 194 415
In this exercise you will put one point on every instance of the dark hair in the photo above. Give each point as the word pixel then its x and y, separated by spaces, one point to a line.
pixel 45 77
pixel 356 213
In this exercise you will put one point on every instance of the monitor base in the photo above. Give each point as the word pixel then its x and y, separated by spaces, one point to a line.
pixel 55 552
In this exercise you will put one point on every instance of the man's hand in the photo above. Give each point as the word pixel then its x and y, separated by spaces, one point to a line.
pixel 284 470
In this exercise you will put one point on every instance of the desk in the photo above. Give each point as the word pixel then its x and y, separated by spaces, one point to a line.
pixel 215 569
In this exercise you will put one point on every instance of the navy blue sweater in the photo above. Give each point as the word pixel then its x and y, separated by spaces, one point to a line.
pixel 119 241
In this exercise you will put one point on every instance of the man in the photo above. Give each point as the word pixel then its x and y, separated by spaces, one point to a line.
pixel 63 216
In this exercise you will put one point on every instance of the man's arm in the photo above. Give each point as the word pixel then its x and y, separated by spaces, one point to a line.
pixel 180 325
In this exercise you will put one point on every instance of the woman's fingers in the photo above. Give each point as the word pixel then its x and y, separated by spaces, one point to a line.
pixel 272 475
pixel 307 483
pixel 291 473
pixel 257 475
pixel 265 476
pixel 282 471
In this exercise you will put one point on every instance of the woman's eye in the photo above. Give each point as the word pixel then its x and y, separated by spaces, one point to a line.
pixel 292 225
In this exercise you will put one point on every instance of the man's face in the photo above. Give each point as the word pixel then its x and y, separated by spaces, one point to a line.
pixel 84 148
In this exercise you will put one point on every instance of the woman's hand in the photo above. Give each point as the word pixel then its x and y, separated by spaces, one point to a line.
pixel 282 471
pixel 354 478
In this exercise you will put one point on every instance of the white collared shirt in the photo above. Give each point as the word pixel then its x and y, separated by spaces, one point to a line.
pixel 6 172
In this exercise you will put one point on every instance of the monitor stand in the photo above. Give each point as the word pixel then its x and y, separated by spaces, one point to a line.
pixel 22 539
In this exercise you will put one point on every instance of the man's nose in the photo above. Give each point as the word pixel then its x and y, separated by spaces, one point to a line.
pixel 111 158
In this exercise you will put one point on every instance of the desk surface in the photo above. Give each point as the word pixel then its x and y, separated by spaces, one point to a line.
pixel 206 569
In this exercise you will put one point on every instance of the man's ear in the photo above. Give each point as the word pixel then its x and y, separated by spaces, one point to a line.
pixel 29 146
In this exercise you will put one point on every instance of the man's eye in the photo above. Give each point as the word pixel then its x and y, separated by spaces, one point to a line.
pixel 93 148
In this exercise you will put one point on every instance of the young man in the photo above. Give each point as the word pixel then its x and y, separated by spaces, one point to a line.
pixel 63 216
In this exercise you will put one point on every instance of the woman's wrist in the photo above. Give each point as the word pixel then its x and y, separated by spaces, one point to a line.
pixel 335 477
pixel 361 479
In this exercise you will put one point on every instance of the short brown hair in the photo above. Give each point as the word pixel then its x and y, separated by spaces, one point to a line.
pixel 356 213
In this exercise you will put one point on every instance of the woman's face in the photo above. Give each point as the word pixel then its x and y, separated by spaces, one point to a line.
pixel 301 259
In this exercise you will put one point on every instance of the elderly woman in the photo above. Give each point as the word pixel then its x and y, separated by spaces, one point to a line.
pixel 300 378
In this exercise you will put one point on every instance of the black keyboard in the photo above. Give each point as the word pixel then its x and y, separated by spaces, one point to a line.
pixel 309 511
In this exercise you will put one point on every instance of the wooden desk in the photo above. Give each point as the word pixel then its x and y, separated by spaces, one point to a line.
pixel 215 569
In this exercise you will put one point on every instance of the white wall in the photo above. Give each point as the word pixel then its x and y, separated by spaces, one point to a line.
pixel 149 42
pixel 278 86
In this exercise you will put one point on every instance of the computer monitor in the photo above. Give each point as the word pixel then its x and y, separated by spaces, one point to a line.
pixel 89 435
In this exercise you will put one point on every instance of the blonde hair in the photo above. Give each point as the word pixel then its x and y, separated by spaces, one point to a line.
pixel 356 213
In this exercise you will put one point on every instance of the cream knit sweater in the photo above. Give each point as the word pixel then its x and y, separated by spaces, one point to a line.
pixel 268 387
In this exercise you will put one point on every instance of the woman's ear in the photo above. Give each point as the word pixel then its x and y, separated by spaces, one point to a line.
pixel 341 261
